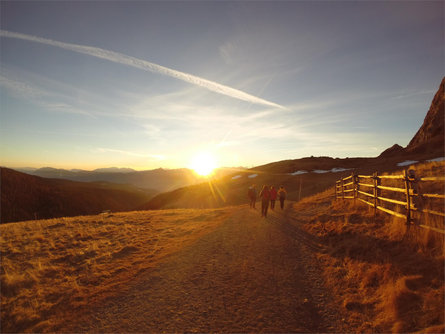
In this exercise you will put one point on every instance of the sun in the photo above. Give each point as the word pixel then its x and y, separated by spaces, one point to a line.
pixel 203 163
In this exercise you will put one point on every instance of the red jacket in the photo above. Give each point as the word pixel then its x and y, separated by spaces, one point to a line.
pixel 273 194
pixel 265 194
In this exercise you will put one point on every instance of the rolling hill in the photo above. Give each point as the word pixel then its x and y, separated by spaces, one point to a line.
pixel 25 197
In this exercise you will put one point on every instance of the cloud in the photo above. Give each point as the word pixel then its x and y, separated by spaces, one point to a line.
pixel 404 95
pixel 146 66
pixel 226 52
pixel 39 96
pixel 21 89
pixel 130 153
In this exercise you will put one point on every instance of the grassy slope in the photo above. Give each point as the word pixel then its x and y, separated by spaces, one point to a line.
pixel 26 197
pixel 50 268
pixel 386 278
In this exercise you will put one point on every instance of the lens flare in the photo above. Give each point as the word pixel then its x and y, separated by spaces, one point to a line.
pixel 203 163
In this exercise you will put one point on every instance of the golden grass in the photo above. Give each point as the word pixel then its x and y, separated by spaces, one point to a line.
pixel 50 268
pixel 387 277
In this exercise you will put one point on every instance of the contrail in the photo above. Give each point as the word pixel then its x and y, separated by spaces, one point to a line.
pixel 144 65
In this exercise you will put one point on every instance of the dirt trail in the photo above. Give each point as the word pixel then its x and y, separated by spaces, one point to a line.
pixel 250 274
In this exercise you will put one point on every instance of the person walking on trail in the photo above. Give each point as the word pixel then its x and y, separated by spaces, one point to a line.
pixel 252 194
pixel 273 197
pixel 282 196
pixel 265 197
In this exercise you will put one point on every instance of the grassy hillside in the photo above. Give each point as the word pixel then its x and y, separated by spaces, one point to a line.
pixel 387 278
pixel 386 162
pixel 51 269
pixel 25 197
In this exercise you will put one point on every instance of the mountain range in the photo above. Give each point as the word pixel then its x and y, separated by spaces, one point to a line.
pixel 25 197
pixel 31 170
pixel 159 179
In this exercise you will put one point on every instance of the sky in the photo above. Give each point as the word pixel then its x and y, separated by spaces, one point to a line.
pixel 146 84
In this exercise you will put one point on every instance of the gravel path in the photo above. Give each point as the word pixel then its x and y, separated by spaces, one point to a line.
pixel 250 274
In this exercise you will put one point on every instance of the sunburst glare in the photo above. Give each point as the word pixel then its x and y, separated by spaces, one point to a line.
pixel 203 163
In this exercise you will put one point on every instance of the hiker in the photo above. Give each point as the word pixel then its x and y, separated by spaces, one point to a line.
pixel 265 196
pixel 252 194
pixel 273 197
pixel 282 196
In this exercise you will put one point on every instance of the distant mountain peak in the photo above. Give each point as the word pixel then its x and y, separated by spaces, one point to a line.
pixel 114 170
pixel 47 169
pixel 393 150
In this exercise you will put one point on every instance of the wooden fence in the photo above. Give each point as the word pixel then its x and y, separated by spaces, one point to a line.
pixel 404 202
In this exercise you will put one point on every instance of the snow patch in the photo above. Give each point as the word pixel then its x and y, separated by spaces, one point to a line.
pixel 298 172
pixel 236 177
pixel 437 159
pixel 407 163
pixel 337 170
pixel 252 176
pixel 320 171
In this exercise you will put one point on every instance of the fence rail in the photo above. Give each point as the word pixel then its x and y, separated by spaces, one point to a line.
pixel 371 194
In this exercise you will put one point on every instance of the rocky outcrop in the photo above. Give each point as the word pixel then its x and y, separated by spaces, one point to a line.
pixel 431 137
pixel 394 150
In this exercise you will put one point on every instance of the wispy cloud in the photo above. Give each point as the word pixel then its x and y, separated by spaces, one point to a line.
pixel 404 95
pixel 144 65
pixel 21 89
pixel 130 153
pixel 38 95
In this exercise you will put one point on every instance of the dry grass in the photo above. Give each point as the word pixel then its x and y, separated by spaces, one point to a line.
pixel 51 268
pixel 387 277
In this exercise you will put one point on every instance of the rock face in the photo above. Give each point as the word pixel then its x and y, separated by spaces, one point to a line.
pixel 431 137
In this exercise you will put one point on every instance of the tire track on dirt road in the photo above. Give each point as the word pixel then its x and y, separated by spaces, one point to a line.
pixel 308 247
pixel 247 275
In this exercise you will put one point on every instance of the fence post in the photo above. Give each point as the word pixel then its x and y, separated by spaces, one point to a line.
pixel 408 197
pixel 376 179
pixel 357 186
pixel 342 189
pixel 354 187
pixel 416 196
pixel 335 194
